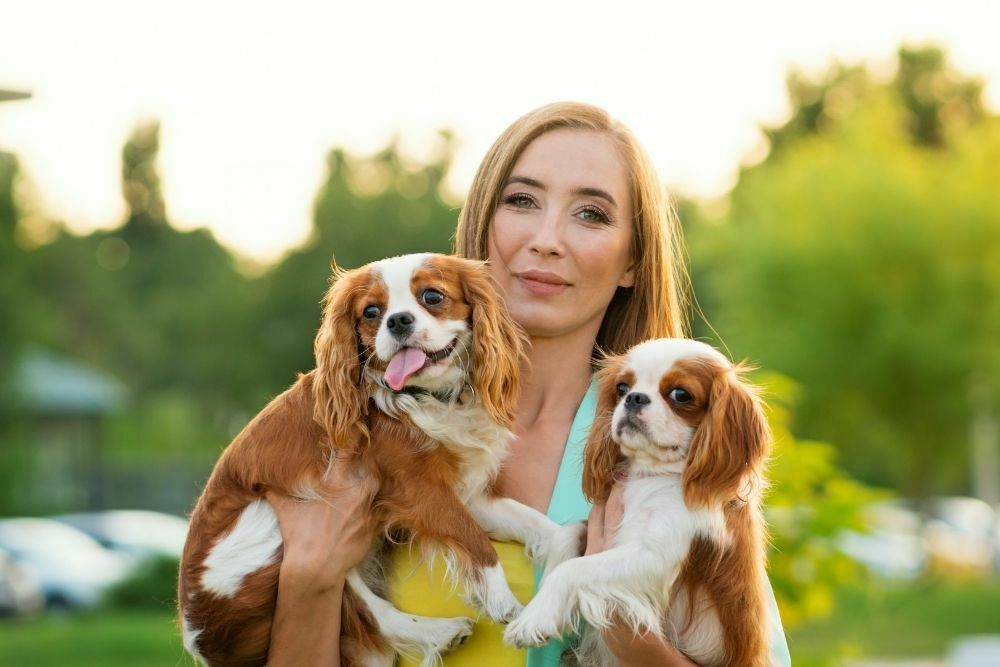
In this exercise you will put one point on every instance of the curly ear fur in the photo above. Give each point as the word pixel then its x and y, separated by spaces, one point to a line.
pixel 498 345
pixel 602 457
pixel 340 405
pixel 730 445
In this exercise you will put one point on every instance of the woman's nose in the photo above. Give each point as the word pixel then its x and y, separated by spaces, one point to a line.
pixel 548 235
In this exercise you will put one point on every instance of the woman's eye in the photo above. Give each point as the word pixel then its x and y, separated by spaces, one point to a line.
pixel 622 389
pixel 520 201
pixel 431 297
pixel 591 214
pixel 371 312
pixel 680 395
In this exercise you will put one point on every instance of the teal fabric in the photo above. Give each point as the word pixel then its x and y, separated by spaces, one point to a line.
pixel 568 505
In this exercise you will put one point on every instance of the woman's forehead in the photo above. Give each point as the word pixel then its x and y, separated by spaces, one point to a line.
pixel 571 159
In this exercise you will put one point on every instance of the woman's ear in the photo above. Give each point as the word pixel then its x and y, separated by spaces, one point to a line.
pixel 730 445
pixel 499 346
pixel 602 457
pixel 339 404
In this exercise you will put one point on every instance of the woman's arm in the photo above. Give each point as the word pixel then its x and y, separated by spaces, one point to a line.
pixel 631 650
pixel 323 540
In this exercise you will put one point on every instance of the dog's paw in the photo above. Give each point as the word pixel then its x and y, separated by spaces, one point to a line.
pixel 491 595
pixel 444 634
pixel 502 608
pixel 530 629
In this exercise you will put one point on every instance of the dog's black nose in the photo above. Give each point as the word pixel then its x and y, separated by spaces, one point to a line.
pixel 635 401
pixel 400 324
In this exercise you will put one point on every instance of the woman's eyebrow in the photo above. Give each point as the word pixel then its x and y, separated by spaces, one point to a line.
pixel 590 192
pixel 596 192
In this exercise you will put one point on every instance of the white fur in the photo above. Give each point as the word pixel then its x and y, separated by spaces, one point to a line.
pixel 189 637
pixel 251 544
pixel 508 520
pixel 491 593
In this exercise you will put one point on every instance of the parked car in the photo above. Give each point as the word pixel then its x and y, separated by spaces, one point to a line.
pixel 135 534
pixel 892 547
pixel 20 590
pixel 959 535
pixel 955 535
pixel 72 568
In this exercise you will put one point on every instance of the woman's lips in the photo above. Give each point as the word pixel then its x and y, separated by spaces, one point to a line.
pixel 541 283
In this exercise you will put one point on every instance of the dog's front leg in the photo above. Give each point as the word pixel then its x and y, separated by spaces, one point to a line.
pixel 618 584
pixel 435 516
pixel 506 519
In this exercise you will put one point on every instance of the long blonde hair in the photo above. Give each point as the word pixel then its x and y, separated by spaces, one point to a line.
pixel 655 306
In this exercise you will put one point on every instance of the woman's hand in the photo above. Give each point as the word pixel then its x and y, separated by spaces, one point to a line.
pixel 323 539
pixel 630 649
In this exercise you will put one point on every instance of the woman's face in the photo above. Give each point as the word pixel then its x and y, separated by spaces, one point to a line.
pixel 560 238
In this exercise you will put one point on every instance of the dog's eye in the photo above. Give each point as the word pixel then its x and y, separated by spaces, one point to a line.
pixel 431 297
pixel 622 389
pixel 680 395
pixel 371 312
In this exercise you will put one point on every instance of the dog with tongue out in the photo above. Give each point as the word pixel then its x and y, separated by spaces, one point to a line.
pixel 415 387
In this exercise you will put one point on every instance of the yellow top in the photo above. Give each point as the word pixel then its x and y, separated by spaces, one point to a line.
pixel 415 589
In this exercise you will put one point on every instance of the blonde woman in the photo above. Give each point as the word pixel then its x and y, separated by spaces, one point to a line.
pixel 570 214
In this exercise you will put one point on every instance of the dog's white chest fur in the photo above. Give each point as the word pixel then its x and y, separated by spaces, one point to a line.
pixel 463 428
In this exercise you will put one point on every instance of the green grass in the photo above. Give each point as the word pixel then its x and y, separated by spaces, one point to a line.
pixel 109 639
pixel 918 620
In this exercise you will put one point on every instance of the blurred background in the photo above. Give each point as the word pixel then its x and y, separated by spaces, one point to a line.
pixel 175 179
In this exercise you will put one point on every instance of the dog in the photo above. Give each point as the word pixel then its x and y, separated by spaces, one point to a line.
pixel 417 366
pixel 677 421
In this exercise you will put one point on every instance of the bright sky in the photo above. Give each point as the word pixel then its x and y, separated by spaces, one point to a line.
pixel 251 99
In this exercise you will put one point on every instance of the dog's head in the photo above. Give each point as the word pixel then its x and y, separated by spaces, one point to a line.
pixel 677 406
pixel 428 322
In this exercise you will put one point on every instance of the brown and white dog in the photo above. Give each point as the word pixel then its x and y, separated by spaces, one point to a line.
pixel 689 435
pixel 417 365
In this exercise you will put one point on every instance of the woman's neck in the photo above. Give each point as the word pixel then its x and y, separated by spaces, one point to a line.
pixel 556 378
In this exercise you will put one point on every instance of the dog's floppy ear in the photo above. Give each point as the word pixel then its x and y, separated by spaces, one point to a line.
pixel 340 405
pixel 730 445
pixel 498 345
pixel 602 457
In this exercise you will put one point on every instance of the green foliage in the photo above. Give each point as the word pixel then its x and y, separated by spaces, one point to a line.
pixel 893 621
pixel 153 585
pixel 935 99
pixel 867 267
pixel 810 503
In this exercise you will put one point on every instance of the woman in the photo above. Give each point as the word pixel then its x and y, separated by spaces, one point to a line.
pixel 569 212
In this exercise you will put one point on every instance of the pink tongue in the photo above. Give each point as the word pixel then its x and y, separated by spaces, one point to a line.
pixel 403 364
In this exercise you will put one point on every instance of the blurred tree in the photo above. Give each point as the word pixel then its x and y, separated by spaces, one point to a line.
pixel 9 266
pixel 141 184
pixel 862 258
pixel 936 98
pixel 811 501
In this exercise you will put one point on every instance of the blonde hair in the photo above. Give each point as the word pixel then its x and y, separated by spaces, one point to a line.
pixel 655 306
